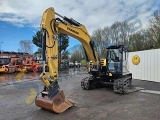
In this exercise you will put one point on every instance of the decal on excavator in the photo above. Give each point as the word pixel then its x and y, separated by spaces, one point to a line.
pixel 72 30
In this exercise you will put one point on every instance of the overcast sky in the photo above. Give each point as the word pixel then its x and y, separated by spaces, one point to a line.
pixel 92 13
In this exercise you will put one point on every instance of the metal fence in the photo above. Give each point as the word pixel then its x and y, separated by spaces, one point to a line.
pixel 149 66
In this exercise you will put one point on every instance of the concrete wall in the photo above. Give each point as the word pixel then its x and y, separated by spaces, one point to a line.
pixel 149 66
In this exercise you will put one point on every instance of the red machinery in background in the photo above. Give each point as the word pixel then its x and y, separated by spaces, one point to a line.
pixel 16 64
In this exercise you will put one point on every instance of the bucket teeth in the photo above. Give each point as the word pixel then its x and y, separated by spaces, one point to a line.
pixel 58 104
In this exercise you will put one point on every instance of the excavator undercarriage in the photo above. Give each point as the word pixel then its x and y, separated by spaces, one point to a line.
pixel 120 85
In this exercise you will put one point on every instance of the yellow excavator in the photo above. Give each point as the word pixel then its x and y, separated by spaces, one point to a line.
pixel 112 70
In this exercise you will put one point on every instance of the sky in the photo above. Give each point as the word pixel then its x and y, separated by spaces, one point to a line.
pixel 20 19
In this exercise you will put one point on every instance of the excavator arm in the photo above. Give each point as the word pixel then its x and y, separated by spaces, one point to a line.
pixel 51 26
pixel 53 98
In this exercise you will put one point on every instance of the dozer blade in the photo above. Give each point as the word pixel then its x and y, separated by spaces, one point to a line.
pixel 58 104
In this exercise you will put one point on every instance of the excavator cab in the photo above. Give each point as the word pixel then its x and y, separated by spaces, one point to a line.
pixel 117 69
pixel 114 71
pixel 117 60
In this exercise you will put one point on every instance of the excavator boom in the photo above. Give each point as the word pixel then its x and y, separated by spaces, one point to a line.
pixel 53 98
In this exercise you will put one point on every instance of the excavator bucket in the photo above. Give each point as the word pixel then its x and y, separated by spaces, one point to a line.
pixel 57 104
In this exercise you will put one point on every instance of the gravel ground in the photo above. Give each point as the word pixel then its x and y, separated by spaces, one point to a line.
pixel 97 104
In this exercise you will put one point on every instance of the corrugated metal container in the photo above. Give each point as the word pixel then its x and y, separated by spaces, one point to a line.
pixel 149 66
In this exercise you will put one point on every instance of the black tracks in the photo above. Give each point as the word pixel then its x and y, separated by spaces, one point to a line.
pixel 120 85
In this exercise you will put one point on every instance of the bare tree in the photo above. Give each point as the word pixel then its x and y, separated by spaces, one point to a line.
pixel 26 46
pixel 154 30
pixel 118 33
pixel 97 37
pixel 77 54
pixel 127 33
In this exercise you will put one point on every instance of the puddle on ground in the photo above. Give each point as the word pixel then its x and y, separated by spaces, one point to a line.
pixel 18 77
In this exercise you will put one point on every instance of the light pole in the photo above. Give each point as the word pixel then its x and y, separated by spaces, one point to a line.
pixel 1 48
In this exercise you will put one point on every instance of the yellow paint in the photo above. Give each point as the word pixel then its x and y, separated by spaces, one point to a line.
pixel 103 62
pixel 32 96
pixel 32 91
pixel 20 74
pixel 2 70
pixel 136 60
pixel 44 79
pixel 110 74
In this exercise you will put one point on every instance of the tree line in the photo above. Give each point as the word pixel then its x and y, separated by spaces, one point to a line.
pixel 122 33
pixel 128 32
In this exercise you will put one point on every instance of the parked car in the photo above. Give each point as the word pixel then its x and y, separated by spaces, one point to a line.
pixel 76 64
pixel 71 64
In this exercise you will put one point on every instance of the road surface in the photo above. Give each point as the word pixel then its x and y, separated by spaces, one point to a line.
pixel 17 100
